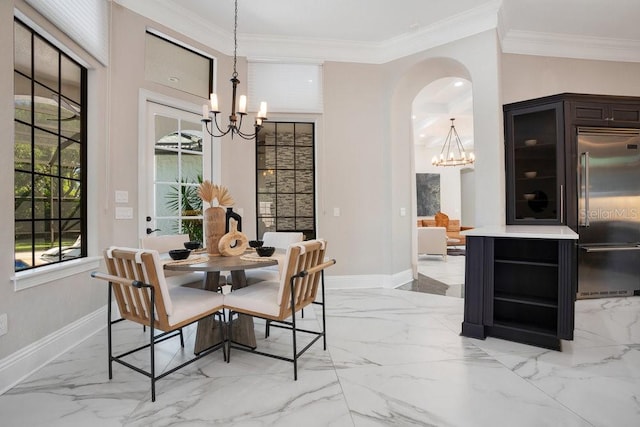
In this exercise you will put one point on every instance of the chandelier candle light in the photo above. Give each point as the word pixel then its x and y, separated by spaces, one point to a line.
pixel 453 156
pixel 235 122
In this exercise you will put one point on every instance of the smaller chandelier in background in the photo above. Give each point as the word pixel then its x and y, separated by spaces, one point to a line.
pixel 453 153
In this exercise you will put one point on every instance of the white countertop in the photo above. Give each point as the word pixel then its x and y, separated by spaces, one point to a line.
pixel 524 231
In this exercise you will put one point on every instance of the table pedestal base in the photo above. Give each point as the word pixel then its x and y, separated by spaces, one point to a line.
pixel 209 333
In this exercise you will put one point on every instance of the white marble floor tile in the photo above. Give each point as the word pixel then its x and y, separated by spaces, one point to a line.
pixel 602 384
pixel 394 357
pixel 316 399
pixel 469 392
pixel 449 272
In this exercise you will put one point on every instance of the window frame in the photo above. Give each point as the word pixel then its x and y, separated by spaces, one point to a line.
pixel 35 274
pixel 279 219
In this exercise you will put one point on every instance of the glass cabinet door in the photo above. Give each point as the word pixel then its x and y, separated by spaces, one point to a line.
pixel 535 164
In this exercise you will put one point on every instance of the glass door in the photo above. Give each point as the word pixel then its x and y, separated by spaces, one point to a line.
pixel 176 153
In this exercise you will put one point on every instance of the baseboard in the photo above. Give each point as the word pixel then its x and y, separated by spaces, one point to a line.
pixel 368 281
pixel 19 365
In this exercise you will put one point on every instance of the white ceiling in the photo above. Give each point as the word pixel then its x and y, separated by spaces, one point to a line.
pixel 377 31
pixel 435 106
pixel 381 30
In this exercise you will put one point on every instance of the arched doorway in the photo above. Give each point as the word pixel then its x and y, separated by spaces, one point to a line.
pixel 440 267
pixel 403 171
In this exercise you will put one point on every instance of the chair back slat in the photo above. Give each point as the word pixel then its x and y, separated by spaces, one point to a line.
pixel 300 257
pixel 135 303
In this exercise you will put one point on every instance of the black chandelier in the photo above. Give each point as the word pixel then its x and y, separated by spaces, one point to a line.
pixel 453 153
pixel 235 123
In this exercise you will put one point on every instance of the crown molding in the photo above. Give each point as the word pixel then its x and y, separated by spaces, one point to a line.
pixel 471 22
pixel 468 23
pixel 298 49
pixel 569 46
pixel 489 16
pixel 168 14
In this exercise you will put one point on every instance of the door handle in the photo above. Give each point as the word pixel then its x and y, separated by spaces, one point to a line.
pixel 561 203
pixel 149 230
pixel 584 182
pixel 611 249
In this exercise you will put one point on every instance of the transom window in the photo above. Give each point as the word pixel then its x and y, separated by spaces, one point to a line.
pixel 50 152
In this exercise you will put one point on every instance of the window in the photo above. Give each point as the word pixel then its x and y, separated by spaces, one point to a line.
pixel 285 178
pixel 50 152
pixel 187 70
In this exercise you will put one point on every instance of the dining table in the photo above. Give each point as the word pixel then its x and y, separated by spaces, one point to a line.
pixel 208 332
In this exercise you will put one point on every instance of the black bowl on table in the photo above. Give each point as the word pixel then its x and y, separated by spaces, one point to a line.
pixel 192 245
pixel 265 250
pixel 256 243
pixel 178 254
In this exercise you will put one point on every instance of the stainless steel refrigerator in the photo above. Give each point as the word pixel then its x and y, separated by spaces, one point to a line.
pixel 608 212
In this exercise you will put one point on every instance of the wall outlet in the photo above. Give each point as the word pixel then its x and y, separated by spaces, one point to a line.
pixel 4 325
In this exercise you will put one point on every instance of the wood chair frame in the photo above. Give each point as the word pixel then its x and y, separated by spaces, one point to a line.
pixel 304 278
pixel 143 303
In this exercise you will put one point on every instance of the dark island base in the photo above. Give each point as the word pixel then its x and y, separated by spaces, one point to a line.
pixel 512 333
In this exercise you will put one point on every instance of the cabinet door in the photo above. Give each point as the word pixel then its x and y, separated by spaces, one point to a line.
pixel 534 138
pixel 624 115
pixel 606 114
pixel 590 113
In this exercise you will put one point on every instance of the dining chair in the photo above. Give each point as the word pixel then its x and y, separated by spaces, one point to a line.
pixel 278 240
pixel 137 282
pixel 281 239
pixel 163 244
pixel 302 277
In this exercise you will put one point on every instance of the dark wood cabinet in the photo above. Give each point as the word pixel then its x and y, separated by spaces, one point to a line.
pixel 520 289
pixel 535 163
pixel 540 152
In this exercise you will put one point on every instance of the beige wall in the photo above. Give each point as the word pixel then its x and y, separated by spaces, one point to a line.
pixel 526 77
pixel 354 170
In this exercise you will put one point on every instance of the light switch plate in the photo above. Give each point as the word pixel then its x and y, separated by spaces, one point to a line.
pixel 122 196
pixel 336 211
pixel 124 212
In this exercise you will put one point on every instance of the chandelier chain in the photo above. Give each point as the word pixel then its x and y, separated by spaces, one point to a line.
pixel 238 106
pixel 235 41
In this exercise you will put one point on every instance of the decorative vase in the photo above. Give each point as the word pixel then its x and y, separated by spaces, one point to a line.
pixel 214 225
pixel 234 242
pixel 232 215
